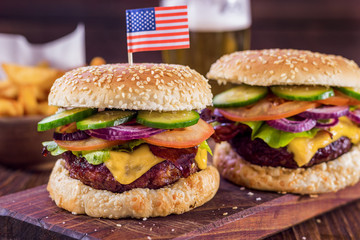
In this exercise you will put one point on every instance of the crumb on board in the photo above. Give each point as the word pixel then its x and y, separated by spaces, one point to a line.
pixel 318 220
pixel 258 199
pixel 144 219
pixel 225 214
pixel 235 207
pixel 250 193
pixel 118 225
pixel 242 188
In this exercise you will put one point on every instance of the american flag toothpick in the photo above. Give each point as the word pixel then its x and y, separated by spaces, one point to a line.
pixel 157 28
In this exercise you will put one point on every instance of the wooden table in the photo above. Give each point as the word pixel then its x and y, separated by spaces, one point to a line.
pixel 341 223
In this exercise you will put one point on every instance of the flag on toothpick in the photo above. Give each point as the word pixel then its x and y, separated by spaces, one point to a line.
pixel 157 28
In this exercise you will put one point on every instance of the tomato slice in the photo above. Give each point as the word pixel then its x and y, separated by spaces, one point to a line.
pixel 267 110
pixel 183 137
pixel 340 99
pixel 335 100
pixel 88 144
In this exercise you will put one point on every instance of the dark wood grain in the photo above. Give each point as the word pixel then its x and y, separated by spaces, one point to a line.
pixel 232 214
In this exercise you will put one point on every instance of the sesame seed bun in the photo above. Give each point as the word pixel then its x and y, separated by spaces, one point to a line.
pixel 285 67
pixel 158 87
pixel 182 196
pixel 325 177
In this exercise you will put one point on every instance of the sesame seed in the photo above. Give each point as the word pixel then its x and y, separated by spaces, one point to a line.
pixel 250 193
pixel 235 208
pixel 305 69
pixel 225 214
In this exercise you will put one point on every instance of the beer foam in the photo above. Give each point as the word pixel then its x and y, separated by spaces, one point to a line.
pixel 215 15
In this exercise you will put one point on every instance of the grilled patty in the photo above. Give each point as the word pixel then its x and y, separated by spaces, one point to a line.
pixel 179 163
pixel 258 152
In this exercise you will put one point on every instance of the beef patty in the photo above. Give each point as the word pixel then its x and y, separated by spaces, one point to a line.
pixel 258 152
pixel 179 163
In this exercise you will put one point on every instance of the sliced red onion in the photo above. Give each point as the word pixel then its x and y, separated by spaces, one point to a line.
pixel 325 112
pixel 332 123
pixel 75 136
pixel 124 132
pixel 354 115
pixel 286 125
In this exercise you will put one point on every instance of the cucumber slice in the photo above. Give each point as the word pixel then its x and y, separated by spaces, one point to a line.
pixel 240 96
pixel 65 117
pixel 167 120
pixel 303 93
pixel 350 91
pixel 105 119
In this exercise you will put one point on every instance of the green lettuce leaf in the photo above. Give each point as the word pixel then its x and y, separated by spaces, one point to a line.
pixel 205 145
pixel 95 157
pixel 53 148
pixel 276 138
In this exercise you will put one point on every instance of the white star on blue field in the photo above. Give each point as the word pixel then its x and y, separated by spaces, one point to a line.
pixel 139 20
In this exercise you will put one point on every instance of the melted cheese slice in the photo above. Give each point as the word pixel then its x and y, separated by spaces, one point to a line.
pixel 201 158
pixel 127 167
pixel 305 148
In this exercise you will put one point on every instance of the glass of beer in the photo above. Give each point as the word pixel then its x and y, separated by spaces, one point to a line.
pixel 217 27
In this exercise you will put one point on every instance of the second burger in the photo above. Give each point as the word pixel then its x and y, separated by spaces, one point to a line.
pixel 291 123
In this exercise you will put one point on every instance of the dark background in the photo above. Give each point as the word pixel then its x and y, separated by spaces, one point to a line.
pixel 328 26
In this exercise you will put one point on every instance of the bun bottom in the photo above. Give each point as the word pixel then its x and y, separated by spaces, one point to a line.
pixel 325 177
pixel 182 196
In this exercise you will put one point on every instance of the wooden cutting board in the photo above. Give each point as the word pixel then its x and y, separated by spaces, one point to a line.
pixel 233 213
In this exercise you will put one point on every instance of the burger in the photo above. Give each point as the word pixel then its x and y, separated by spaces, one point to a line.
pixel 290 121
pixel 131 141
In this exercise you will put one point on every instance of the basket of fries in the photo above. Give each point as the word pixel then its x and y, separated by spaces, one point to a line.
pixel 23 103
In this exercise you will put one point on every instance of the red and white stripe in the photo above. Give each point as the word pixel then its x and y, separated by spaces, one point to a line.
pixel 172 31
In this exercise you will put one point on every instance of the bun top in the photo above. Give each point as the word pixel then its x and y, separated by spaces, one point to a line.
pixel 285 67
pixel 158 87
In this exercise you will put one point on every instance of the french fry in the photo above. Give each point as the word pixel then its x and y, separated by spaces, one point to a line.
pixel 41 77
pixel 27 97
pixel 19 108
pixel 97 61
pixel 40 94
pixel 45 109
pixel 7 107
pixel 8 89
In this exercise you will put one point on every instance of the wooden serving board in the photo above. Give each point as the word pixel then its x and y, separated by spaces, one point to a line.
pixel 233 213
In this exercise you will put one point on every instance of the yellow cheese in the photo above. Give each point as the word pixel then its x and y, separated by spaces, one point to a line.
pixel 127 167
pixel 201 158
pixel 305 148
